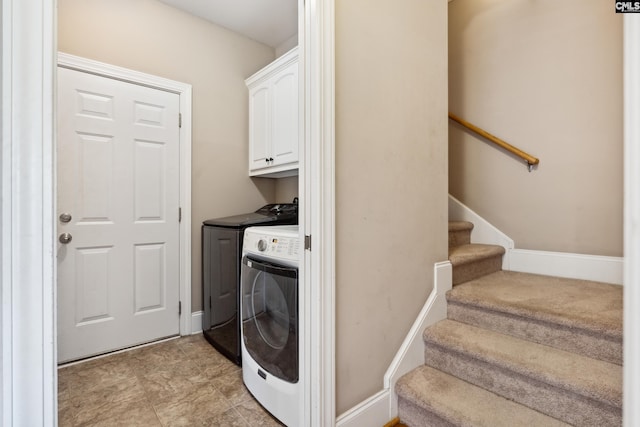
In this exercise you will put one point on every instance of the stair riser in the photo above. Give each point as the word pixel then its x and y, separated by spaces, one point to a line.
pixel 568 339
pixel 473 270
pixel 459 237
pixel 562 404
pixel 429 397
pixel 414 416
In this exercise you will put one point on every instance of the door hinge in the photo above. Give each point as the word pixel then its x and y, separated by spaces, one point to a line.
pixel 179 120
pixel 179 214
pixel 307 242
pixel 179 308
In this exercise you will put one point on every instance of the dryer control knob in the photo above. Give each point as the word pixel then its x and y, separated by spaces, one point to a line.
pixel 262 245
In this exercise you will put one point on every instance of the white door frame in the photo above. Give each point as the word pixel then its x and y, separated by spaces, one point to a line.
pixel 631 53
pixel 28 318
pixel 318 185
pixel 28 326
pixel 183 90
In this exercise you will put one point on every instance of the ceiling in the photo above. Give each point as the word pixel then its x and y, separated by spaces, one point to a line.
pixel 268 21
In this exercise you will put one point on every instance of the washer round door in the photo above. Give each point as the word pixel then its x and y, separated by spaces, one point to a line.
pixel 270 316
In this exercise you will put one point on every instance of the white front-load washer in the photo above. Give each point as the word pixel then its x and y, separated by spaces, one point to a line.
pixel 270 327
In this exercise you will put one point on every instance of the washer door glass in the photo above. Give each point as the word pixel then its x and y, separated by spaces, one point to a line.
pixel 270 317
pixel 271 313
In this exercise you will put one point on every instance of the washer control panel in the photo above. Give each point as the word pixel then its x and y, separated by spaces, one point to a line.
pixel 280 242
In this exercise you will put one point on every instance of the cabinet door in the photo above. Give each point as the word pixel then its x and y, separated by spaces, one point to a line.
pixel 259 127
pixel 284 116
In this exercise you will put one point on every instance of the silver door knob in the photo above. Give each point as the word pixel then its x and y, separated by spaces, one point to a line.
pixel 65 217
pixel 65 238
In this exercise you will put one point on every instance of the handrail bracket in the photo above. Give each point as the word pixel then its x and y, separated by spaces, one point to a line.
pixel 529 165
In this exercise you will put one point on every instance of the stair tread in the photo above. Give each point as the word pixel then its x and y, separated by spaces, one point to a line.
pixel 461 403
pixel 460 225
pixel 464 254
pixel 592 306
pixel 587 377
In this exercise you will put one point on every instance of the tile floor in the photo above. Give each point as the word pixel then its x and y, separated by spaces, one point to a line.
pixel 182 382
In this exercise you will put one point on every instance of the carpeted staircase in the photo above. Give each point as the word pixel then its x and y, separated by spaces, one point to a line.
pixel 517 349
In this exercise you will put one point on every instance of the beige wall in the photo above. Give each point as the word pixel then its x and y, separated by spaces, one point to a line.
pixel 286 189
pixel 391 180
pixel 148 36
pixel 286 45
pixel 546 76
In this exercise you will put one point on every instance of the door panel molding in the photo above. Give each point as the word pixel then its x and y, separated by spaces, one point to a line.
pixel 184 91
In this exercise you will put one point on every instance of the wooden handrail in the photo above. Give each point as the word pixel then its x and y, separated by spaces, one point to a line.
pixel 531 161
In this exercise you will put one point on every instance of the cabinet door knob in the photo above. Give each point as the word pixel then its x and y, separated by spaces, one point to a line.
pixel 271 159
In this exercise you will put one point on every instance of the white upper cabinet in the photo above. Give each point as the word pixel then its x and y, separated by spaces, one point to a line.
pixel 273 118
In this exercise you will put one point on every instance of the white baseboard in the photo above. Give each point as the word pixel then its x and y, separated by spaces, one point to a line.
pixel 575 266
pixel 196 322
pixel 411 352
pixel 372 412
pixel 383 406
pixel 559 264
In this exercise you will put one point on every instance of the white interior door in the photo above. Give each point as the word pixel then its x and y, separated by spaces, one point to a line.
pixel 118 179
